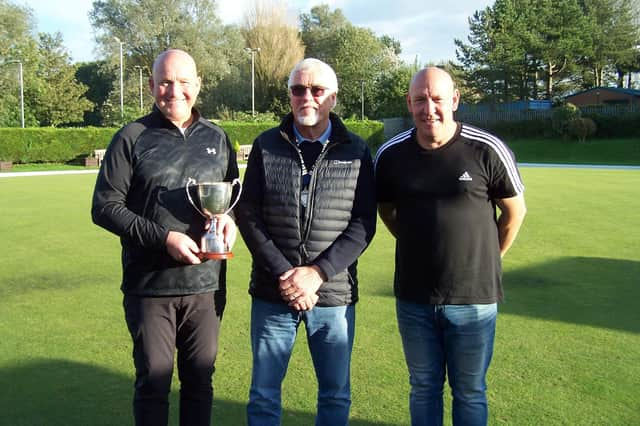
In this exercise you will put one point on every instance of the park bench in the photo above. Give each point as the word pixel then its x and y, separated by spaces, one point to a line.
pixel 96 159
pixel 243 152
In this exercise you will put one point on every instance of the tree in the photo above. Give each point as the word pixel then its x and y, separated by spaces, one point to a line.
pixel 148 27
pixel 266 27
pixel 59 97
pixel 614 31
pixel 99 78
pixel 16 44
pixel 328 36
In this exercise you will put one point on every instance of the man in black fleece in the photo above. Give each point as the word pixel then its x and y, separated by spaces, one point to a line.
pixel 172 298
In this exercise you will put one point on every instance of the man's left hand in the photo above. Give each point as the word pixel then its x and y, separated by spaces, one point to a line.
pixel 299 285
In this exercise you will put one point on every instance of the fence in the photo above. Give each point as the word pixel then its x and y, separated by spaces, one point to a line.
pixel 482 118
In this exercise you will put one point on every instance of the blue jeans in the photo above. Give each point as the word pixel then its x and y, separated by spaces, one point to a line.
pixel 452 339
pixel 330 337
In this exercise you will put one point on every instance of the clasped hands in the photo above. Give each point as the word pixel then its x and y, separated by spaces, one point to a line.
pixel 183 249
pixel 299 285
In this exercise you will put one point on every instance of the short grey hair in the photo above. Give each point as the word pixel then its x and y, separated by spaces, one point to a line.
pixel 324 74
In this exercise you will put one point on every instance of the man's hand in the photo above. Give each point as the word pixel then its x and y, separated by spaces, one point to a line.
pixel 226 227
pixel 299 285
pixel 182 248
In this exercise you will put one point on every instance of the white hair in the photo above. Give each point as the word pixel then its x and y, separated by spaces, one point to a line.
pixel 323 73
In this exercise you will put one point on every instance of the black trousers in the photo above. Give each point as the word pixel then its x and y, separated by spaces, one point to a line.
pixel 159 326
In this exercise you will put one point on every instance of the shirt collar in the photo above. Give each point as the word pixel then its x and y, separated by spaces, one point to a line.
pixel 324 137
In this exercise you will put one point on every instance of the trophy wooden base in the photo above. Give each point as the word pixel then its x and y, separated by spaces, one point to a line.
pixel 216 256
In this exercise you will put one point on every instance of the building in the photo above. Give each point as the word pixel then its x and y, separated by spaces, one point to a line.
pixel 606 96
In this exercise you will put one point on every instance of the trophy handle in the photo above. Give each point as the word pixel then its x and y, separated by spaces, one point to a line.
pixel 186 189
pixel 236 181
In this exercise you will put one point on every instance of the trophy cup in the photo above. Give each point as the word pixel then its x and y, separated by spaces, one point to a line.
pixel 214 198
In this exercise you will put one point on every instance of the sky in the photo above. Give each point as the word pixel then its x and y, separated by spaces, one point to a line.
pixel 425 30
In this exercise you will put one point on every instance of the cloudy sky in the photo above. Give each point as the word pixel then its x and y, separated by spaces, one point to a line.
pixel 426 30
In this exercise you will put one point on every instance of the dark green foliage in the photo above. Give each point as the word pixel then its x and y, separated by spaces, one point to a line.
pixel 562 116
pixel 581 128
pixel 49 145
pixel 45 145
pixel 540 128
pixel 618 126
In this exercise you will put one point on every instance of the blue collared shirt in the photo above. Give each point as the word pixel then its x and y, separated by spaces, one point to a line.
pixel 324 137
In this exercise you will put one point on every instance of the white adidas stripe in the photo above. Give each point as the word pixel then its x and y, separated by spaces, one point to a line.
pixel 501 149
pixel 400 137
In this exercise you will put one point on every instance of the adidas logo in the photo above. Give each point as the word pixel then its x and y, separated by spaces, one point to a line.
pixel 465 177
pixel 211 151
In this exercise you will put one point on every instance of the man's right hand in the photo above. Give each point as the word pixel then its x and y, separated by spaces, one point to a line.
pixel 182 248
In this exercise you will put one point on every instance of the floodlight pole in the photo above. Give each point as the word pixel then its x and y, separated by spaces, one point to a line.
pixel 121 80
pixel 21 79
pixel 362 99
pixel 253 51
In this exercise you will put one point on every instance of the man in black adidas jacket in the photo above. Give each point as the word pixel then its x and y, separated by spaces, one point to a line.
pixel 140 195
pixel 307 213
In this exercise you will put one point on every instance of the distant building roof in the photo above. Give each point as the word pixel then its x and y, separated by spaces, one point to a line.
pixel 621 90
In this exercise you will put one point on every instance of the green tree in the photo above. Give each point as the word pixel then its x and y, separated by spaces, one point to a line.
pixel 514 44
pixel 100 79
pixel 58 96
pixel 148 27
pixel 330 37
pixel 17 43
pixel 614 31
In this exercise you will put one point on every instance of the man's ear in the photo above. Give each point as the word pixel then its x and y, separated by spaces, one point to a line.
pixel 456 100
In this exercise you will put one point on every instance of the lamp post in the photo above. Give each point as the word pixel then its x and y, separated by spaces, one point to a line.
pixel 15 61
pixel 139 68
pixel 362 99
pixel 121 80
pixel 253 51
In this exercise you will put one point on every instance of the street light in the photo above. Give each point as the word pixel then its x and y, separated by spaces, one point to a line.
pixel 253 51
pixel 139 68
pixel 121 78
pixel 15 61
pixel 362 99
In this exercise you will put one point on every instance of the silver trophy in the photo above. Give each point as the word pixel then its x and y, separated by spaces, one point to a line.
pixel 214 198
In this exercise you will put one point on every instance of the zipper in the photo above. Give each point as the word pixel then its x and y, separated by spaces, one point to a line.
pixel 312 187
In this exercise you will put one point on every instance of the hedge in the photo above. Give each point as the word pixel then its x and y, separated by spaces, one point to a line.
pixel 50 145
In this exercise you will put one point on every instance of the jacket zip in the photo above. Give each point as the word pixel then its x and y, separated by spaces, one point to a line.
pixel 310 202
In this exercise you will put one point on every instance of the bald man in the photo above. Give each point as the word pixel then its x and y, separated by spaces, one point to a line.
pixel 173 297
pixel 438 185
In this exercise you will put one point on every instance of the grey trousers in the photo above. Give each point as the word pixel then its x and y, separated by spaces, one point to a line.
pixel 159 326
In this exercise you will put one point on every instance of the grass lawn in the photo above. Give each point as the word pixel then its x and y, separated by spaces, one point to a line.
pixel 596 151
pixel 567 347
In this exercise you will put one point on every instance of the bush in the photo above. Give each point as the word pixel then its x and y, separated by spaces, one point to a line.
pixel 616 126
pixel 50 145
pixel 581 128
pixel 539 128
pixel 562 116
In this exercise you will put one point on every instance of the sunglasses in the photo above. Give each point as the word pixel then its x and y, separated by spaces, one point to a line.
pixel 300 90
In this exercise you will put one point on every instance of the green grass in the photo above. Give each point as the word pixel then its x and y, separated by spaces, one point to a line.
pixel 596 151
pixel 46 167
pixel 567 348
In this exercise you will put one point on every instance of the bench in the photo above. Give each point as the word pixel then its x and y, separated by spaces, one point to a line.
pixel 243 152
pixel 98 154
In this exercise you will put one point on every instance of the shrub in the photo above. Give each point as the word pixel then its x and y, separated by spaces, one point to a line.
pixel 581 128
pixel 562 116
pixel 49 145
